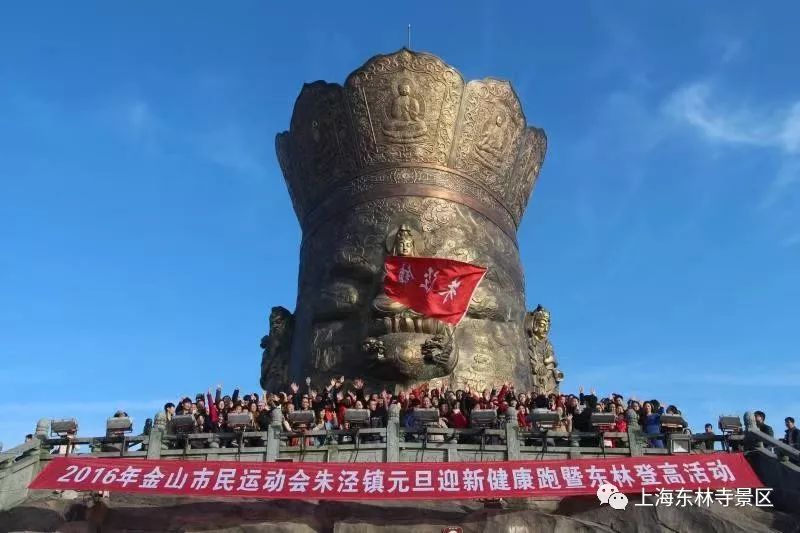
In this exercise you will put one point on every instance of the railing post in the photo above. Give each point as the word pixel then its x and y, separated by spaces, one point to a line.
pixel 154 443
pixel 41 433
pixel 393 434
pixel 749 421
pixel 634 442
pixel 160 423
pixel 512 435
pixel 750 440
pixel 274 435
pixel 42 428
pixel 333 452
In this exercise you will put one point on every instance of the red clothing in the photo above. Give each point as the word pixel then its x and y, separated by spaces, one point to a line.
pixel 483 403
pixel 522 419
pixel 620 426
pixel 457 420
pixel 213 412
pixel 502 394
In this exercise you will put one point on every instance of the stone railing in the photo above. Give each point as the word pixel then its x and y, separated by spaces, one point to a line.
pixel 506 441
pixel 393 443
pixel 18 466
pixel 776 463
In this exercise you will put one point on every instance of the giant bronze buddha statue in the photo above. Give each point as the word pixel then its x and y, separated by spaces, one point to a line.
pixel 407 159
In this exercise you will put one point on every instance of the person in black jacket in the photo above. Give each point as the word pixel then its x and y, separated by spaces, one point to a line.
pixel 792 437
pixel 761 425
pixel 583 420
pixel 709 432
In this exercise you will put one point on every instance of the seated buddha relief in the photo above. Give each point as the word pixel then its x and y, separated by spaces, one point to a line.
pixel 405 117
pixel 392 316
pixel 492 141
pixel 403 342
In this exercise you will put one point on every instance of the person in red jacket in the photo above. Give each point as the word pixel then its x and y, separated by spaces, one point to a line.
pixel 456 418
pixel 344 404
pixel 485 400
pixel 213 409
pixel 620 424
pixel 504 390
pixel 522 417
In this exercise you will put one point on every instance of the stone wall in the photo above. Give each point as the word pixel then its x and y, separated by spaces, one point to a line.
pixel 128 513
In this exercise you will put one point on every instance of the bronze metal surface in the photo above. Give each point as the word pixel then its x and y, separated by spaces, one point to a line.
pixel 406 156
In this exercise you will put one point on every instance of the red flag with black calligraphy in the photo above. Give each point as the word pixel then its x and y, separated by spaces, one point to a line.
pixel 434 287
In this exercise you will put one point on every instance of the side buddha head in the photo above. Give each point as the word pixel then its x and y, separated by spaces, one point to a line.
pixel 540 323
pixel 403 242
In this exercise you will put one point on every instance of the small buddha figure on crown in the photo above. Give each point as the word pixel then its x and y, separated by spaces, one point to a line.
pixel 405 122
pixel 492 140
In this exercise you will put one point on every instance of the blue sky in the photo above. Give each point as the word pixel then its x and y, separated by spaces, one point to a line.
pixel 145 230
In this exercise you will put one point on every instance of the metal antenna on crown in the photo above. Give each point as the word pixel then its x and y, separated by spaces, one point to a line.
pixel 409 36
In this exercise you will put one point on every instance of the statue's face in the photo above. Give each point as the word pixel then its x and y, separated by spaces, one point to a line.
pixel 405 247
pixel 341 278
pixel 541 325
pixel 404 89
pixel 276 321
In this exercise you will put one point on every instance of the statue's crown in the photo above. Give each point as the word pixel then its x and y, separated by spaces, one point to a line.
pixel 541 311
pixel 407 124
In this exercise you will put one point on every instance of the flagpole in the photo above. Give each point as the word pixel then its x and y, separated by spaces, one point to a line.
pixel 451 331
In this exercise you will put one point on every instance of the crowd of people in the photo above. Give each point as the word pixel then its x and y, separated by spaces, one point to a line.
pixel 210 414
pixel 329 402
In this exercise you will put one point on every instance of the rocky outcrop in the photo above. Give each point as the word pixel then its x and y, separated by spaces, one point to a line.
pixel 130 513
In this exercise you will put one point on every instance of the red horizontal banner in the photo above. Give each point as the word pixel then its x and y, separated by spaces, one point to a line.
pixel 397 481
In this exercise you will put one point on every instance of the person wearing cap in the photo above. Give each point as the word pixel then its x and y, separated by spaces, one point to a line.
pixel 228 402
pixel 186 407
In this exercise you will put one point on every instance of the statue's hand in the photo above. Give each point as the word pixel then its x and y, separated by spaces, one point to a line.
pixel 442 357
